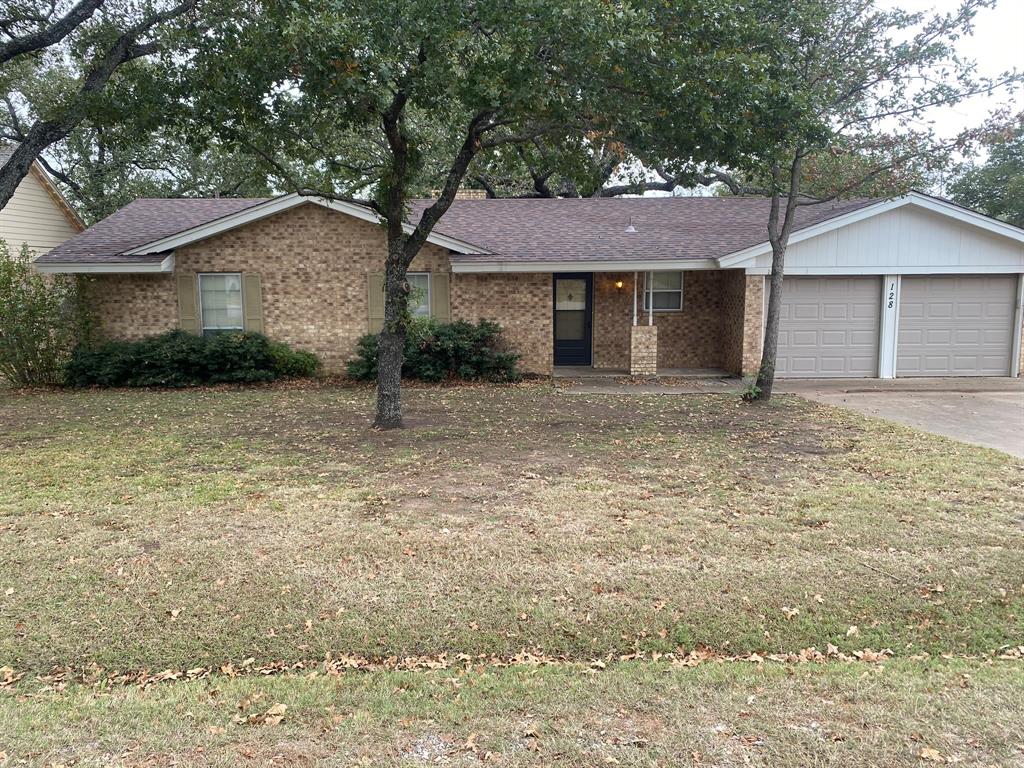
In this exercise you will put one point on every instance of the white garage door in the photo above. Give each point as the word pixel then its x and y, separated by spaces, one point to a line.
pixel 829 327
pixel 956 325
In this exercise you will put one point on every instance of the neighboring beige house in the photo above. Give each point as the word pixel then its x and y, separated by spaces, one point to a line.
pixel 37 215
pixel 910 286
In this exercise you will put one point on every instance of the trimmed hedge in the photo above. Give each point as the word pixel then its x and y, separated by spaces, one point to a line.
pixel 180 359
pixel 439 351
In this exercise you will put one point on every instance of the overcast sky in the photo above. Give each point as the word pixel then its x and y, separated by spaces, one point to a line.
pixel 997 45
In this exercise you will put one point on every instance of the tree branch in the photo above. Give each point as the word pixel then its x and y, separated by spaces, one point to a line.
pixel 52 34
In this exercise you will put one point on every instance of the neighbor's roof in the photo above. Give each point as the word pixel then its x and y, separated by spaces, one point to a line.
pixel 514 230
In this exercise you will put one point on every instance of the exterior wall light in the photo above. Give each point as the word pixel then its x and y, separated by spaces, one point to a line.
pixel 618 284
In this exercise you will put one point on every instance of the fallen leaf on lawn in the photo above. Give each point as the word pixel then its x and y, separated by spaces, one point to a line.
pixel 790 612
pixel 853 631
pixel 927 753
pixel 275 714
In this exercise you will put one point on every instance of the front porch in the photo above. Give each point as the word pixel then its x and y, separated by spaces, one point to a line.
pixel 678 324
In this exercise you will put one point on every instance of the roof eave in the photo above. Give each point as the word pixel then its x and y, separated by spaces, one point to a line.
pixel 491 265
pixel 279 205
pixel 106 268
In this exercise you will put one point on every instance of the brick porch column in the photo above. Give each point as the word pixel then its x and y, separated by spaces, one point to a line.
pixel 643 350
pixel 753 323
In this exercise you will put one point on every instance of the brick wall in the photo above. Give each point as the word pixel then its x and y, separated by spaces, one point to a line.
pixel 687 339
pixel 613 316
pixel 312 263
pixel 753 323
pixel 520 302
pixel 742 319
pixel 132 306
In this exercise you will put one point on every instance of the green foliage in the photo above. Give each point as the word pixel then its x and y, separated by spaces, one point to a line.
pixel 439 351
pixel 996 187
pixel 293 363
pixel 180 359
pixel 41 320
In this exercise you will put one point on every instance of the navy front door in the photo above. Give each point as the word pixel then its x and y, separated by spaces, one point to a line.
pixel 573 302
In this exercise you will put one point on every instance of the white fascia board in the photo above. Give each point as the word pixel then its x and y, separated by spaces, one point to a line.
pixel 109 268
pixel 998 269
pixel 278 205
pixel 663 265
pixel 746 257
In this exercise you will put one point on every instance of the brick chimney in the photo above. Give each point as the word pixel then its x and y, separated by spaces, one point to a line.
pixel 463 194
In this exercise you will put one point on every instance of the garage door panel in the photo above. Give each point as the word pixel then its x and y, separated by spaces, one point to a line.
pixel 863 339
pixel 805 312
pixel 956 325
pixel 829 327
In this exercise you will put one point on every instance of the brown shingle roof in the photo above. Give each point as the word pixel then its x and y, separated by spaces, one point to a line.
pixel 138 223
pixel 538 229
pixel 511 229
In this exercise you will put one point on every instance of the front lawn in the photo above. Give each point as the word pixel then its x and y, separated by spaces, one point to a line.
pixel 178 530
pixel 905 713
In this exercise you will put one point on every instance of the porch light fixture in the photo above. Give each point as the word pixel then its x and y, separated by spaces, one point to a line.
pixel 630 229
pixel 618 284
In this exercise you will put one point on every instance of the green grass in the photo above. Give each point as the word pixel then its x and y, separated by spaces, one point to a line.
pixel 630 714
pixel 178 529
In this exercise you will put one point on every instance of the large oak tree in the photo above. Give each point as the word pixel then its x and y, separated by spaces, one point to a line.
pixel 83 44
pixel 387 98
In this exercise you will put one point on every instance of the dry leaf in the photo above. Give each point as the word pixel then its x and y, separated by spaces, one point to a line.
pixel 927 753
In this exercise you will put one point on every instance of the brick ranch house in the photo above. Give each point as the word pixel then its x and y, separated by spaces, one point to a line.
pixel 911 286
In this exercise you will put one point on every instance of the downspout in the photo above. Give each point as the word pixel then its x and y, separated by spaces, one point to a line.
pixel 650 300
pixel 636 280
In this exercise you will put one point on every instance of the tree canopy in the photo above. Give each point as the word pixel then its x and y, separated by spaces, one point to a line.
pixel 57 62
pixel 385 100
pixel 996 186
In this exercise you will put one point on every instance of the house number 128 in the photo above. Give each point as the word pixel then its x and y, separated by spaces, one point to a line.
pixel 892 295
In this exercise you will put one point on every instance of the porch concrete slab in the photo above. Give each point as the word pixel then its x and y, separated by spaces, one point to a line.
pixel 585 371
pixel 658 385
pixel 981 411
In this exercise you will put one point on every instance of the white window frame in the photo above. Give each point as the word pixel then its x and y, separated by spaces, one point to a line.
pixel 649 290
pixel 426 299
pixel 199 296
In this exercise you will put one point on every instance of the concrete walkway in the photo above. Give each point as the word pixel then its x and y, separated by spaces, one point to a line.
pixel 982 411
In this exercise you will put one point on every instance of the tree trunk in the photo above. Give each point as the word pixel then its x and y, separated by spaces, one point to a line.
pixel 780 226
pixel 391 341
pixel 18 165
pixel 766 373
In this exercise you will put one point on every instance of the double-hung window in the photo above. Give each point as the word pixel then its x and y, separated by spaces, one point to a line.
pixel 220 303
pixel 419 297
pixel 663 291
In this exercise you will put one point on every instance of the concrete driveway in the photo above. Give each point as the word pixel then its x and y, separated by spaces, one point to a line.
pixel 983 411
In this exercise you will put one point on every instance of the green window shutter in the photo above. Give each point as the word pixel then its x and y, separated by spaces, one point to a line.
pixel 188 307
pixel 252 302
pixel 375 302
pixel 440 299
